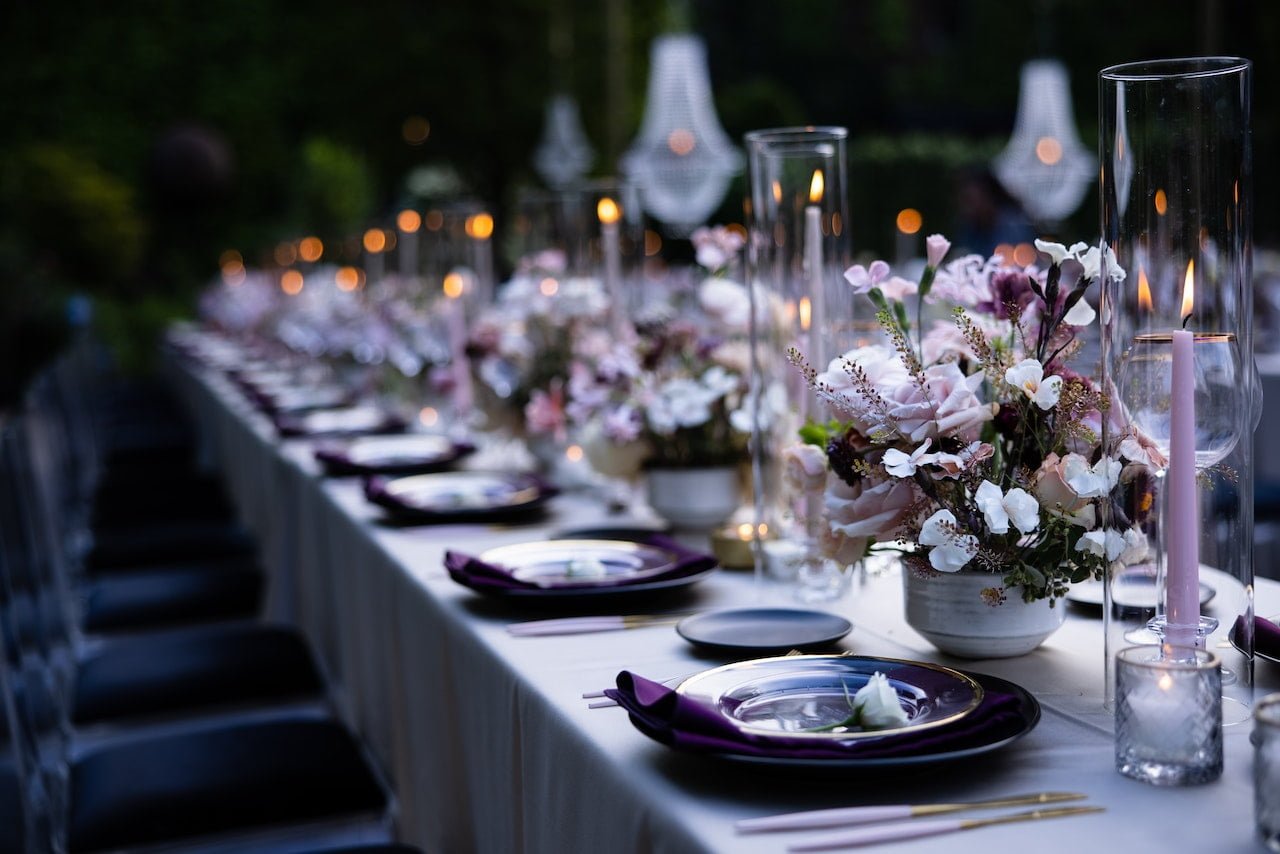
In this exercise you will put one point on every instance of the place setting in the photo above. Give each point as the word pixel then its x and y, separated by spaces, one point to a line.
pixel 400 454
pixel 582 572
pixel 842 712
pixel 460 496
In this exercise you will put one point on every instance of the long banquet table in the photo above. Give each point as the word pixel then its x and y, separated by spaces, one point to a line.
pixel 490 747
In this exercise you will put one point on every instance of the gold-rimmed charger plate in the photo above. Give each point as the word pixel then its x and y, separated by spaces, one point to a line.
pixel 794 696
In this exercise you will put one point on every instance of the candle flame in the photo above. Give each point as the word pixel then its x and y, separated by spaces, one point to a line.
pixel 744 531
pixel 806 313
pixel 1165 682
pixel 777 192
pixel 608 211
pixel 1144 291
pixel 817 186
pixel 454 285
pixel 479 226
pixel 1189 290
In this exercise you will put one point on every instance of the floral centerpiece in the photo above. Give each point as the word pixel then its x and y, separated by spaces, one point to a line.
pixel 971 444
pixel 522 348
pixel 671 395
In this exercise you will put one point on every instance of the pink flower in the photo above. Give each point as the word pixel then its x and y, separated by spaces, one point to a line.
pixel 544 413
pixel 864 279
pixel 946 406
pixel 804 468
pixel 935 249
pixel 882 368
pixel 841 549
pixel 1050 487
pixel 872 509
pixel 897 287
pixel 716 247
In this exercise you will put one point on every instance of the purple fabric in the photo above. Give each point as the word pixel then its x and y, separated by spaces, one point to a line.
pixel 685 724
pixel 478 575
pixel 336 460
pixel 375 489
pixel 1266 636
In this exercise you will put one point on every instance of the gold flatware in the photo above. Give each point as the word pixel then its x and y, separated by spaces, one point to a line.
pixel 930 827
pixel 844 816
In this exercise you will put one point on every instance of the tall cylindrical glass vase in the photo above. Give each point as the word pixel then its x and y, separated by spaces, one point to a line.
pixel 797 252
pixel 1177 358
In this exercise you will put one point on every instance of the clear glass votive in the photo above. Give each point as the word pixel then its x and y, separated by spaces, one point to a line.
pixel 1266 770
pixel 1168 715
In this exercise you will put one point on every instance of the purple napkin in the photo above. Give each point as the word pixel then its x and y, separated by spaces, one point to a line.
pixel 1266 636
pixel 478 575
pixel 375 489
pixel 688 725
pixel 336 460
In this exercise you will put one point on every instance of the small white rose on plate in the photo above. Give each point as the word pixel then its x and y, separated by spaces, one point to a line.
pixel 877 704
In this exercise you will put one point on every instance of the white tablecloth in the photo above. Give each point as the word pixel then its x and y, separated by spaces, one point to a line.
pixel 491 749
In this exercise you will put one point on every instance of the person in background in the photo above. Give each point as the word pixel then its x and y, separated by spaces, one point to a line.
pixel 988 215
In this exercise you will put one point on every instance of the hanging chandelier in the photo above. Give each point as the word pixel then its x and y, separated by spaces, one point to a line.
pixel 682 159
pixel 1045 166
pixel 563 155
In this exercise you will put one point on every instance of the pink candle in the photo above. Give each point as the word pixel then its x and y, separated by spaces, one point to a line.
pixel 1183 576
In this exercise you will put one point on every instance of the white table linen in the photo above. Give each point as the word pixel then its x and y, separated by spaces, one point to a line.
pixel 491 748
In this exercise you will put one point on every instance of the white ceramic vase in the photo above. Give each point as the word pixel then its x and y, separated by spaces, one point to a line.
pixel 695 498
pixel 949 610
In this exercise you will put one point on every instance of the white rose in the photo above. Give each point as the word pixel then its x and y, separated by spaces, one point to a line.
pixel 877 704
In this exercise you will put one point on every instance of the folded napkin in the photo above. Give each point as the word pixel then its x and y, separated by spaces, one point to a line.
pixel 688 725
pixel 1266 636
pixel 337 460
pixel 478 575
pixel 375 489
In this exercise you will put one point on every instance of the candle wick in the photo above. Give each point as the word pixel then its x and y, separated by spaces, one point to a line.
pixel 1185 318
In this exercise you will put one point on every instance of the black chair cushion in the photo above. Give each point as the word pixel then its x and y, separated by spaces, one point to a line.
pixel 162 673
pixel 237 778
pixel 167 496
pixel 148 598
pixel 387 848
pixel 11 821
pixel 129 548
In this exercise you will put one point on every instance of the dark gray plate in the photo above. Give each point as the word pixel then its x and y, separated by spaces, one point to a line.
pixel 763 629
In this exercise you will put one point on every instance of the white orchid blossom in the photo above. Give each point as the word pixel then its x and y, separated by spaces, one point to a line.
pixel 1056 251
pixel 998 509
pixel 951 549
pixel 899 464
pixel 1091 481
pixel 1028 375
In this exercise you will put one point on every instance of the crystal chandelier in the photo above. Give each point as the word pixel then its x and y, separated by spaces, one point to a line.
pixel 1045 166
pixel 563 155
pixel 682 159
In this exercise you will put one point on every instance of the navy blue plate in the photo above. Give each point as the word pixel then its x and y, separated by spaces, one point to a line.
pixel 763 630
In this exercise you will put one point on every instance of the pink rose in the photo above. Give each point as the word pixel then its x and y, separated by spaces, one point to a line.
pixel 841 549
pixel 946 406
pixel 872 509
pixel 1050 487
pixel 544 413
pixel 804 468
